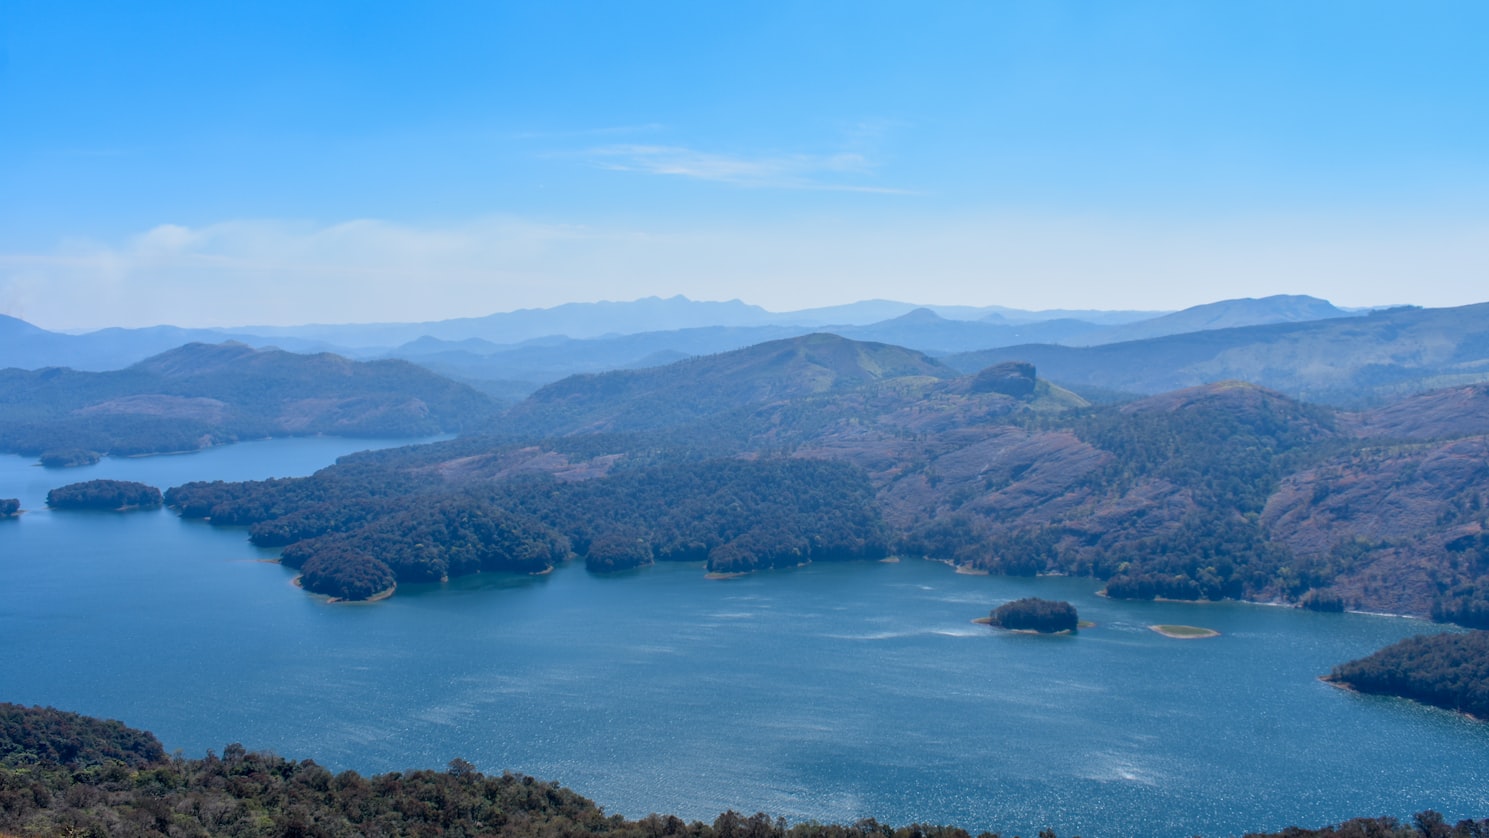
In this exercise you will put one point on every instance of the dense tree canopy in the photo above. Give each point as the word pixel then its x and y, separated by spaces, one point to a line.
pixel 30 735
pixel 65 774
pixel 104 494
pixel 734 515
pixel 1445 670
pixel 1035 614
pixel 68 457
pixel 344 573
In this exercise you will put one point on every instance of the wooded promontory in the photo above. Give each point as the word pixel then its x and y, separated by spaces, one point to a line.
pixel 1449 670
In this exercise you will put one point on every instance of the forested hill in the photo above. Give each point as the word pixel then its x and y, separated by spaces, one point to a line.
pixel 202 394
pixel 1223 491
pixel 65 774
pixel 691 390
pixel 1350 362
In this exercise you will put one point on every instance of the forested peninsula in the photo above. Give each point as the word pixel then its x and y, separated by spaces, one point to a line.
pixel 1449 670
pixel 62 774
pixel 356 535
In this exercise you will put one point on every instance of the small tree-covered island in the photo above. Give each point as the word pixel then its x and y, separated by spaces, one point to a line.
pixel 1034 614
pixel 10 507
pixel 105 494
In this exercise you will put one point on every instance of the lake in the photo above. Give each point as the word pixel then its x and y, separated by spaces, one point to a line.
pixel 829 692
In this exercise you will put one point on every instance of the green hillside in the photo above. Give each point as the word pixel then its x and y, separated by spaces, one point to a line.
pixel 1223 491
pixel 688 391
pixel 200 395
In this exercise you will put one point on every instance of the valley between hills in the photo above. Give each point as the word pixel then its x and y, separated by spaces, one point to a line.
pixel 822 448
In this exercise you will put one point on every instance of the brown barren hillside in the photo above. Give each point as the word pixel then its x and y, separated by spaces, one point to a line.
pixel 1226 490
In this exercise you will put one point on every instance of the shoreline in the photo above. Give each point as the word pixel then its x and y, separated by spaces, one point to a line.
pixel 336 600
pixel 988 621
pixel 1351 688
pixel 1271 603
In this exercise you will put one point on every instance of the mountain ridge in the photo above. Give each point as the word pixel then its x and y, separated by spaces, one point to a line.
pixel 1224 314
pixel 206 394
pixel 700 386
pixel 1347 361
pixel 1223 490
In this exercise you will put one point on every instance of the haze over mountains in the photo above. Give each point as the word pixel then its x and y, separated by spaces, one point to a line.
pixel 511 354
pixel 1298 345
pixel 200 395
pixel 29 346
pixel 1352 361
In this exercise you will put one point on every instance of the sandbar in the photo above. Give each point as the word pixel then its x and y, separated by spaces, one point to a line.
pixel 1185 632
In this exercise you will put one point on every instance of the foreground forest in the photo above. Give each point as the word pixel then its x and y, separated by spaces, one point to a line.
pixel 822 448
pixel 62 774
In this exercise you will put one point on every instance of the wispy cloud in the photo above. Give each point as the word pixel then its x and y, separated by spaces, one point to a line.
pixel 268 271
pixel 826 172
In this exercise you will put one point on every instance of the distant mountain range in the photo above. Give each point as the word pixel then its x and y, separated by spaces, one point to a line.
pixel 1228 314
pixel 1298 345
pixel 512 353
pixel 1346 361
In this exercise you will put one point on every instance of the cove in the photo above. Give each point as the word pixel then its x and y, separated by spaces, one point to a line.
pixel 829 692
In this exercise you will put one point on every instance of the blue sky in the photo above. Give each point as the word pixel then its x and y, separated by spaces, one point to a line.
pixel 237 163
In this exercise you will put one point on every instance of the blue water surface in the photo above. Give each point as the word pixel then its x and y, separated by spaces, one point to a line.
pixel 829 692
